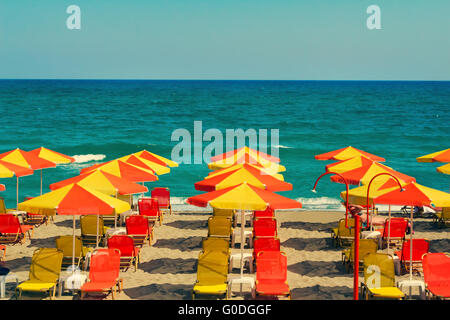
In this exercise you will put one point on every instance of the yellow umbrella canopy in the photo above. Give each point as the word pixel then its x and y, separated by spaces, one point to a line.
pixel 156 158
pixel 242 158
pixel 237 166
pixel 74 197
pixel 347 153
pixel 52 156
pixel 144 163
pixel 440 156
pixel 444 169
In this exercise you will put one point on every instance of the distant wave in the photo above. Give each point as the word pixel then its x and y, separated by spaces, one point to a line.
pixel 280 146
pixel 321 203
pixel 82 158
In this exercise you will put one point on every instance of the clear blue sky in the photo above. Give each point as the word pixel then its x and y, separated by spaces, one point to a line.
pixel 226 39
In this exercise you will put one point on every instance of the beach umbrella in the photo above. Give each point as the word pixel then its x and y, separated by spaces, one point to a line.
pixel 440 156
pixel 347 153
pixel 246 158
pixel 364 174
pixel 349 164
pixel 52 156
pixel 413 194
pixel 444 169
pixel 25 159
pixel 124 170
pixel 243 197
pixel 244 150
pixel 103 182
pixel 147 164
pixel 156 158
pixel 250 175
pixel 2 187
pixel 75 199
pixel 262 170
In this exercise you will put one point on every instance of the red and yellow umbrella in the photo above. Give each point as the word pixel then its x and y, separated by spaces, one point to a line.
pixel 244 150
pixel 124 170
pixel 347 153
pixel 444 169
pixel 2 187
pixel 246 158
pixel 364 174
pixel 243 197
pixel 440 156
pixel 103 182
pixel 250 175
pixel 237 166
pixel 147 164
pixel 156 158
pixel 348 164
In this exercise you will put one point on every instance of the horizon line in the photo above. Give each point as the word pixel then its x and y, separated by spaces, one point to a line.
pixel 193 79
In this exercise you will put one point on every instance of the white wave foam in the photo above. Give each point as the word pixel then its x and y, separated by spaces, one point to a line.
pixel 280 146
pixel 81 158
pixel 321 203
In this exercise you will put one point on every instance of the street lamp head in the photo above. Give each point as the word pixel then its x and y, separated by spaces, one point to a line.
pixel 314 190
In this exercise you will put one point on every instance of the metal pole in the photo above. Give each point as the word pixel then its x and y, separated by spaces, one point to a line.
pixel 242 243
pixel 356 262
pixel 411 243
pixel 73 246
pixel 41 182
pixel 17 193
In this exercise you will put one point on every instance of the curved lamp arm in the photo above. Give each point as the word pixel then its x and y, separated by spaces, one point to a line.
pixel 346 185
pixel 368 189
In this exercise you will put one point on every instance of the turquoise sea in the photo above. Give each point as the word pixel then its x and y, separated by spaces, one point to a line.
pixel 102 120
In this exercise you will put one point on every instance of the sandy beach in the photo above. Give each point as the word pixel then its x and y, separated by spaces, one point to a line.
pixel 168 268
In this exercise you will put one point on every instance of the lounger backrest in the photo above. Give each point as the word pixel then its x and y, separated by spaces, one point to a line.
pixel 223 212
pixel 148 207
pixel 137 225
pixel 436 268
pixel 9 224
pixel 105 265
pixel 89 225
pixel 265 244
pixel 162 195
pixel 65 244
pixel 265 223
pixel 379 270
pixel 265 213
pixel 212 267
pixel 212 243
pixel 420 247
pixel 366 246
pixel 220 226
pixel 124 243
pixel 446 213
pixel 46 265
pixel 346 232
pixel 271 265
pixel 397 228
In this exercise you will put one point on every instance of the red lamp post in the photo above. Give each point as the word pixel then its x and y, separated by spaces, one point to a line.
pixel 356 253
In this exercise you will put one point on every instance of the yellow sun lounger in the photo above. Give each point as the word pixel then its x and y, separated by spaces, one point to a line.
pixel 219 227
pixel 343 236
pixel 229 213
pixel 44 272
pixel 379 277
pixel 212 274
pixel 366 246
pixel 89 230
pixel 65 244
pixel 213 243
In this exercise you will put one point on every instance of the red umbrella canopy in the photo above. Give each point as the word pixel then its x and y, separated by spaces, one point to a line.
pixel 2 187
pixel 250 175
pixel 243 197
pixel 346 153
pixel 25 159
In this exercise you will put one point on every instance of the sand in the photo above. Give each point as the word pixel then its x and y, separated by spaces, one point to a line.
pixel 168 267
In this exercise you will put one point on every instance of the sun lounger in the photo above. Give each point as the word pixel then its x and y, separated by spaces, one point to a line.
pixel 129 254
pixel 268 213
pixel 420 247
pixel 103 273
pixel 265 244
pixel 149 208
pixel 265 227
pixel 442 217
pixel 436 274
pixel 219 227
pixel 89 230
pixel 366 246
pixel 163 197
pixel 44 272
pixel 212 275
pixel 271 274
pixel 139 229
pixel 343 236
pixel 229 213
pixel 11 231
pixel 213 243
pixel 65 244
pixel 398 227
pixel 379 277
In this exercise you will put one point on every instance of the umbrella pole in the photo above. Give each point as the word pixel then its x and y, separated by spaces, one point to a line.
pixel 115 216
pixel 411 244
pixel 17 193
pixel 389 229
pixel 41 182
pixel 96 242
pixel 73 246
pixel 242 244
